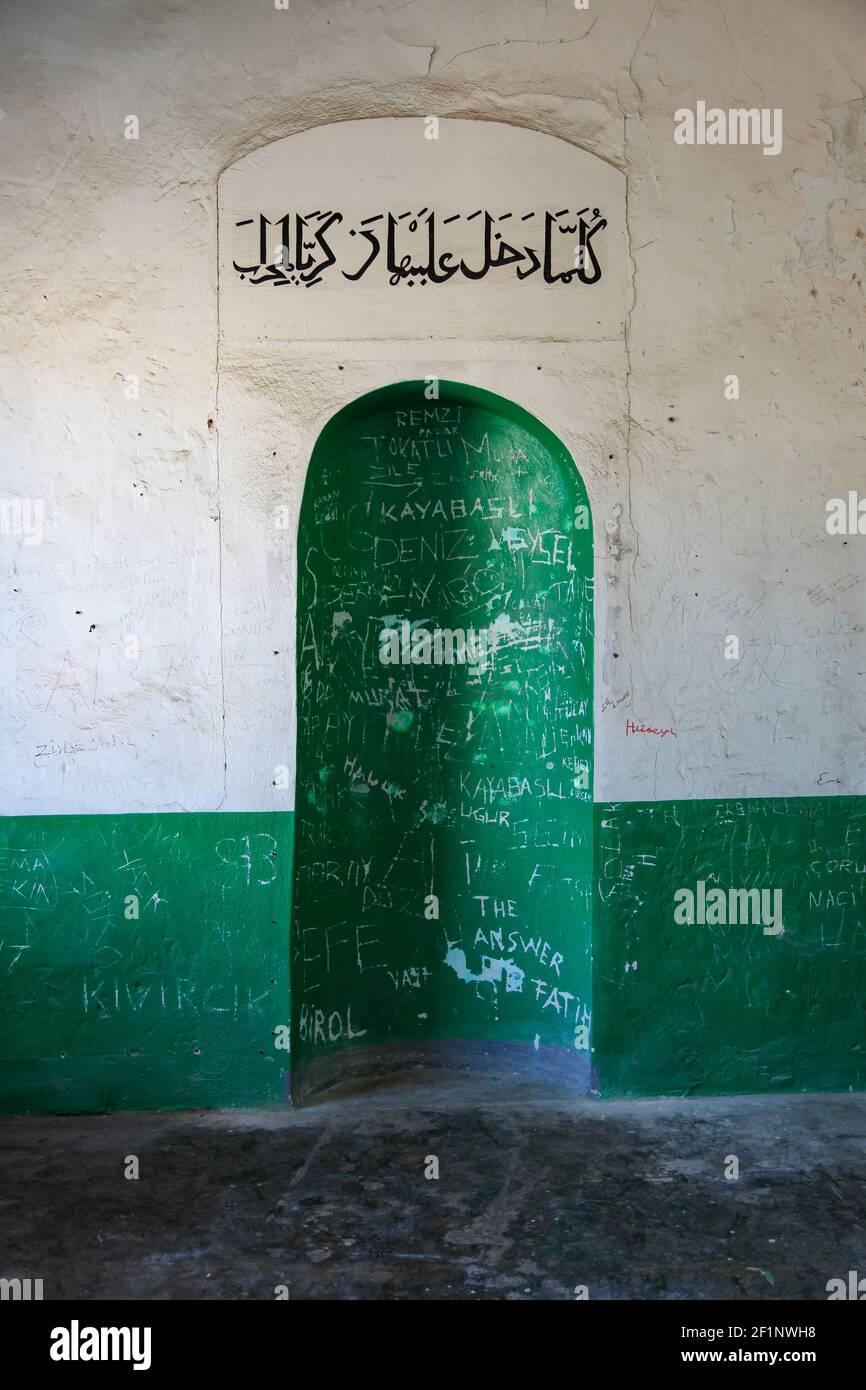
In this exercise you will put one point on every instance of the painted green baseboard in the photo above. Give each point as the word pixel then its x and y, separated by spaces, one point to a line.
pixel 174 1009
pixel 691 1009
pixel 177 1008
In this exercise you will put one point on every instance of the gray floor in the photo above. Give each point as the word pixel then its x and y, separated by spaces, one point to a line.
pixel 536 1194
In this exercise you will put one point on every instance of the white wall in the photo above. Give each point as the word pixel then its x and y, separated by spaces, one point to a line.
pixel 709 516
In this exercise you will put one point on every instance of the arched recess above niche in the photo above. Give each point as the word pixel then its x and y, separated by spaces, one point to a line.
pixel 402 228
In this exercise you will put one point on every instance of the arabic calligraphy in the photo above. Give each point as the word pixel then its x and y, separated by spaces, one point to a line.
pixel 308 249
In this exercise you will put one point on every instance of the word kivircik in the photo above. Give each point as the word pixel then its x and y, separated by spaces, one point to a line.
pixel 439 646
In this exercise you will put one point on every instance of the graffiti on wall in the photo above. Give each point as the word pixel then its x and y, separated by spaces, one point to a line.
pixel 443 826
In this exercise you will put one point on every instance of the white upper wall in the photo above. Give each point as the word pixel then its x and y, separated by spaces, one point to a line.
pixel 159 458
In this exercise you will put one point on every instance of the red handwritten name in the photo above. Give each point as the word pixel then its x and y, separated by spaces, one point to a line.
pixel 632 728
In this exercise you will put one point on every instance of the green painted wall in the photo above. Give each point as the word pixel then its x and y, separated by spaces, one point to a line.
pixel 707 1010
pixel 173 1010
pixel 722 1009
pixel 443 853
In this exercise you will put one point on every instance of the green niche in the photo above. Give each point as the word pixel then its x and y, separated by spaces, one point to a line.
pixel 442 873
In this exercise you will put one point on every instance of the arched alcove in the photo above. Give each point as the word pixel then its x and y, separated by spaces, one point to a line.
pixel 459 251
pixel 443 828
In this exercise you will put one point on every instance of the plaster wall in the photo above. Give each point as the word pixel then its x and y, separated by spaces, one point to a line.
pixel 147 632
pixel 709 512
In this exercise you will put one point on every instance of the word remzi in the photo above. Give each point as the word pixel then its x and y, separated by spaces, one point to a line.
pixel 76 1343
pixel 738 907
pixel 444 646
pixel 320 240
pixel 735 127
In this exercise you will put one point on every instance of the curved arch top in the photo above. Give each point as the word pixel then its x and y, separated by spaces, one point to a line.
pixel 406 227
pixel 457 393
pixel 443 823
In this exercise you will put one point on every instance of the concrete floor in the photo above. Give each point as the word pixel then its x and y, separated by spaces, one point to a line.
pixel 536 1194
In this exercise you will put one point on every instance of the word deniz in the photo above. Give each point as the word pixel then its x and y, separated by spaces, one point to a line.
pixel 300 249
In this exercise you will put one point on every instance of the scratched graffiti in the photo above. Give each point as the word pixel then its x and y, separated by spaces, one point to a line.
pixel 736 1010
pixel 129 940
pixel 443 832
pixel 27 880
